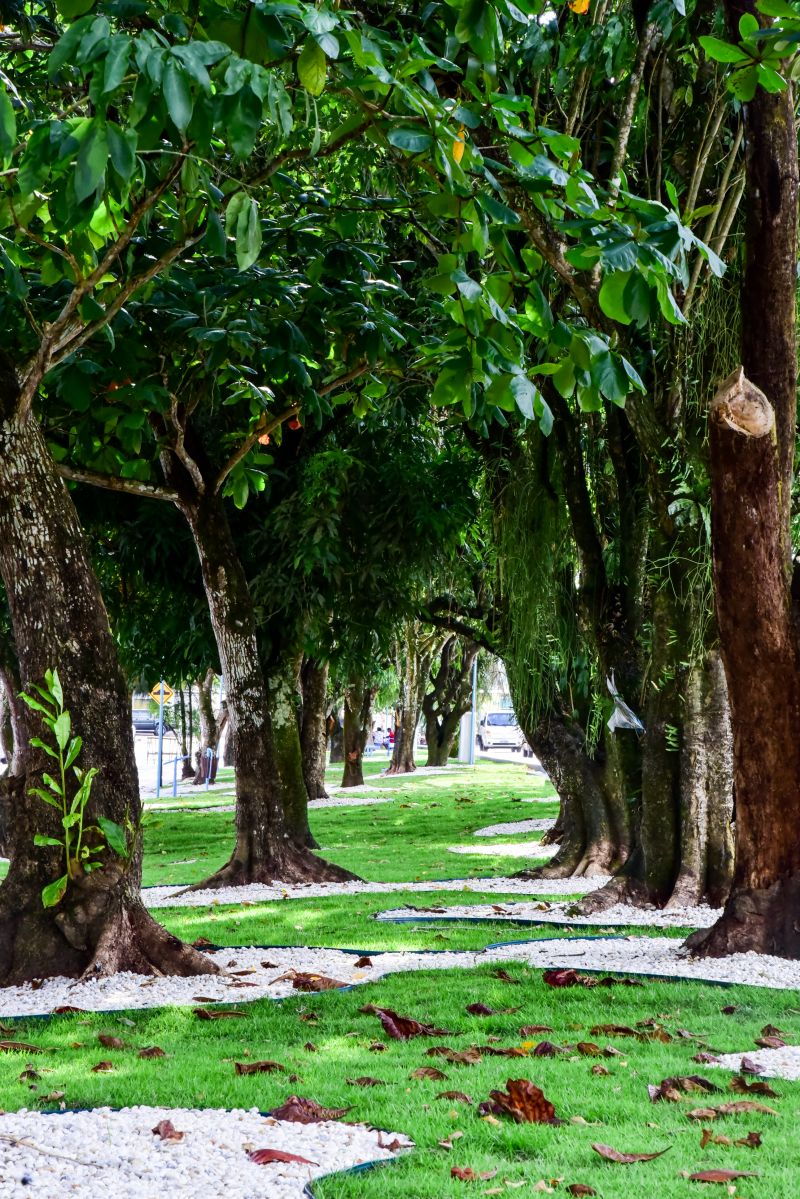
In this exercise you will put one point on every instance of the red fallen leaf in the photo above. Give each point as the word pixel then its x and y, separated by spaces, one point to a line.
pixel 562 978
pixel 167 1131
pixel 769 1030
pixel 151 1051
pixel 722 1175
pixel 707 1138
pixel 259 1068
pixel 580 1188
pixel 310 1047
pixel 428 1072
pixel 705 1059
pixel 759 1087
pixel 63 1008
pixel 306 1111
pixel 748 1066
pixel 109 1042
pixel 737 1108
pixel 686 1084
pixel 264 1157
pixel 102 1067
pixel 365 1081
pixel 362 963
pixel 18 1047
pixel 494 1051
pixel 467 1174
pixel 547 1049
pixel 204 1013
pixel 770 1043
pixel 201 942
pixel 588 1049
pixel 729 1010
pixel 751 1141
pixel 533 1030
pixel 523 1101
pixel 478 1009
pixel 625 1159
pixel 402 1028
pixel 454 1096
pixel 458 1057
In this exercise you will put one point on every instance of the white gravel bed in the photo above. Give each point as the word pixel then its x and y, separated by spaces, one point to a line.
pixel 83 1154
pixel 345 801
pixel 170 897
pixel 521 849
pixel 777 1063
pixel 512 827
pixel 629 955
pixel 620 915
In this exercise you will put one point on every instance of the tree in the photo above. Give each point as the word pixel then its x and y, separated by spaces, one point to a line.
pixel 449 698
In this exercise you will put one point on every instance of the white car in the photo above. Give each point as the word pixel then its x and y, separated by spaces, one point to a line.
pixel 498 729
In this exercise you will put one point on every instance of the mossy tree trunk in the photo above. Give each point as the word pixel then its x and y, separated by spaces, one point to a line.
pixel 449 698
pixel 59 621
pixel 313 728
pixel 285 704
pixel 358 699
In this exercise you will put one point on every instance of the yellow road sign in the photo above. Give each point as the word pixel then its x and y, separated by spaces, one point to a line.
pixel 155 694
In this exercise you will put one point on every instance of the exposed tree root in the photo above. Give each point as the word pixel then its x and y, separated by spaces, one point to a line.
pixel 292 865
pixel 754 922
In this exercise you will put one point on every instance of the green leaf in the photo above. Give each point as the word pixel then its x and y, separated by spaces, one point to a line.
pixel 56 690
pixel 748 25
pixel 769 79
pixel 90 166
pixel 722 51
pixel 53 893
pixel 612 299
pixel 75 746
pixel 312 67
pixel 8 126
pixel 116 63
pixel 177 94
pixel 776 8
pixel 472 21
pixel 122 151
pixel 40 839
pixel 70 9
pixel 45 797
pixel 37 741
pixel 54 786
pixel 525 395
pixel 410 139
pixel 248 234
pixel 65 50
pixel 115 836
pixel 61 729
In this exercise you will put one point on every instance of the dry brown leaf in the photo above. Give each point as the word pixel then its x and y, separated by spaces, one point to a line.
pixel 580 1188
pixel 259 1068
pixel 467 1174
pixel 547 1049
pixel 265 1157
pixel 523 1101
pixel 102 1067
pixel 458 1057
pixel 454 1096
pixel 306 1111
pixel 505 977
pixel 705 1059
pixel 533 1030
pixel 721 1175
pixel 748 1066
pixel 588 1049
pixel 740 1084
pixel 770 1043
pixel 673 1089
pixel 428 1072
pixel 110 1042
pixel 736 1108
pixel 167 1131
pixel 204 1013
pixel 494 1051
pixel 599 1069
pixel 479 1009
pixel 625 1159
pixel 151 1051
pixel 363 963
pixel 402 1028
pixel 302 980
pixel 365 1081
pixel 18 1047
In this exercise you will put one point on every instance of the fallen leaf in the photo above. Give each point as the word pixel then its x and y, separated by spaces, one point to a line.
pixel 201 942
pixel 614 1030
pixel 547 1049
pixel 759 1087
pixel 402 1028
pixel 264 1157
pixel 363 963
pixel 721 1175
pixel 204 1013
pixel 600 1069
pixel 495 1051
pixel 769 1030
pixel 454 1096
pixel 479 1009
pixel 301 980
pixel 378 1047
pixel 505 977
pixel 467 1174
pixel 625 1159
pixel 684 1084
pixel 18 1047
pixel 151 1051
pixel 310 1047
pixel 580 1188
pixel 306 1111
pixel 63 1008
pixel 523 1101
pixel 167 1131
pixel 259 1068
pixel 428 1072
pixel 365 1081
pixel 29 1075
pixel 736 1108
pixel 748 1066
pixel 729 1010
pixel 770 1043
pixel 705 1059
pixel 588 1049
pixel 533 1030
pixel 458 1057
pixel 109 1042
pixel 447 1142
pixel 102 1067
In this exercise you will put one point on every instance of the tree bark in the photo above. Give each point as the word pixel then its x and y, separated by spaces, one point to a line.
pixel 265 850
pixel 449 698
pixel 209 730
pixel 414 658
pixel 752 446
pixel 358 699
pixel 284 689
pixel 59 621
pixel 187 770
pixel 313 730
pixel 335 731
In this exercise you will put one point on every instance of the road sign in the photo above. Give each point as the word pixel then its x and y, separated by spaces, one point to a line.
pixel 155 694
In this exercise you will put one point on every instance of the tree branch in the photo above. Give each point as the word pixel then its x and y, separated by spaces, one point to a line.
pixel 115 483
pixel 648 40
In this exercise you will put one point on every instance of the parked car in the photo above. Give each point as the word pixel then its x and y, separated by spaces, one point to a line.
pixel 500 729
pixel 145 724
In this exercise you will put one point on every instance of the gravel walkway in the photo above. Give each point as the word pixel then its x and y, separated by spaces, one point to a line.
pixel 170 897
pixel 621 914
pixel 513 827
pixel 777 1063
pixel 630 955
pixel 117 1153
pixel 521 849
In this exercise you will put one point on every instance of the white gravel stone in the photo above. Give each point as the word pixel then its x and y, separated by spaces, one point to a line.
pixel 629 955
pixel 346 801
pixel 86 1154
pixel 620 914
pixel 777 1063
pixel 170 897
pixel 521 849
pixel 512 827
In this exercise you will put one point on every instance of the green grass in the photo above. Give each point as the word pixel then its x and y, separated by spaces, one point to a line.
pixel 198 1071
pixel 407 840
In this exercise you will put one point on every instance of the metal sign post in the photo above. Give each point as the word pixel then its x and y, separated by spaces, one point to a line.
pixel 160 735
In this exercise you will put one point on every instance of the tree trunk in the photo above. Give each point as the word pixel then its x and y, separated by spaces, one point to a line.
pixel 449 699
pixel 265 850
pixel 59 621
pixel 752 445
pixel 284 700
pixel 358 699
pixel 335 731
pixel 313 731
pixel 209 730
pixel 414 658
pixel 187 770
